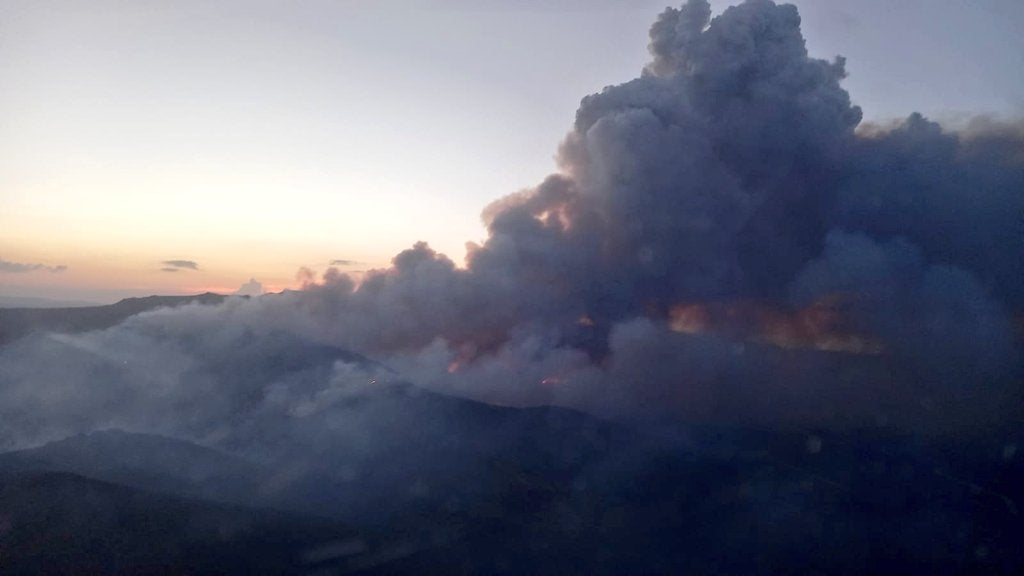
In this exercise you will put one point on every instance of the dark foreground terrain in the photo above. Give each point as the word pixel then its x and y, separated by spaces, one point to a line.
pixel 519 492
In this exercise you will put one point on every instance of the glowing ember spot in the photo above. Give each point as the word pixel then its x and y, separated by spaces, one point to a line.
pixel 689 318
pixel 454 366
pixel 551 380
pixel 820 326
pixel 585 321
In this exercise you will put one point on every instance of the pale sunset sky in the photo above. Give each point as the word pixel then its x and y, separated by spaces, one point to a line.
pixel 254 138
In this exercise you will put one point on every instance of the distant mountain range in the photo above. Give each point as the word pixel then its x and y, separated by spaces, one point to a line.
pixel 36 302
pixel 18 322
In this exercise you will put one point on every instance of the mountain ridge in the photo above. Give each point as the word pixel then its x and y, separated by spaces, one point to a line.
pixel 16 323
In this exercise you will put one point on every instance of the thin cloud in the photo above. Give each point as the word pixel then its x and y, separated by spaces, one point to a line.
pixel 341 262
pixel 180 265
pixel 7 266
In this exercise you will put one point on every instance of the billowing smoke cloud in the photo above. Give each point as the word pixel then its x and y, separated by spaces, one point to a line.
pixel 724 241
pixel 20 267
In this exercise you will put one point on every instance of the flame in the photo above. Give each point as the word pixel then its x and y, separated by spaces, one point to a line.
pixel 819 326
pixel 464 356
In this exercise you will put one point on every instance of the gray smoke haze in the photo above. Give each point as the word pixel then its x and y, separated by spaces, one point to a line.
pixel 733 172
pixel 251 288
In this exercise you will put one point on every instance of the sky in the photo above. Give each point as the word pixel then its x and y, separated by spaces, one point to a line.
pixel 178 147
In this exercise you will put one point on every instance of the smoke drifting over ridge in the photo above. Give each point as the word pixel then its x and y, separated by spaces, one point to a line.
pixel 728 195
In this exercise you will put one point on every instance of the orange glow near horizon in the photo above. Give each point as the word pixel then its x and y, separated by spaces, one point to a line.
pixel 99 272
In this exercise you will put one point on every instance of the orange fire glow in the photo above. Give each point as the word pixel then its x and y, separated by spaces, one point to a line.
pixel 820 326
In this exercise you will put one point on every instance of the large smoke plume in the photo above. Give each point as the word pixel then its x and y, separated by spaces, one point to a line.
pixel 725 241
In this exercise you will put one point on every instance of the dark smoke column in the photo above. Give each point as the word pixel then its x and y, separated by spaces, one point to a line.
pixel 734 172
